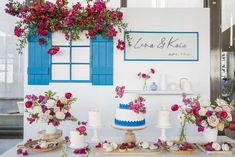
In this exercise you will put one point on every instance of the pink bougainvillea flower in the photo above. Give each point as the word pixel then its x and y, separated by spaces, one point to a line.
pixel 18 31
pixel 80 151
pixel 19 151
pixel 25 153
pixel 28 104
pixel 68 95
pixel 41 41
pixel 53 50
pixel 120 45
pixel 152 71
pixel 174 107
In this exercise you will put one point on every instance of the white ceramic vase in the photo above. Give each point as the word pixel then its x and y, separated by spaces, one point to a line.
pixel 51 129
pixel 210 135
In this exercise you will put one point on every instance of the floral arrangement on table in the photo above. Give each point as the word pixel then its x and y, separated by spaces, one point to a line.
pixel 46 17
pixel 214 146
pixel 146 77
pixel 204 114
pixel 49 108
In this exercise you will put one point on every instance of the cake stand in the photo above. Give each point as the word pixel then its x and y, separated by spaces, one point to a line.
pixel 129 135
pixel 163 136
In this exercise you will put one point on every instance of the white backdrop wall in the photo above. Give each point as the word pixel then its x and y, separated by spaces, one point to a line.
pixel 125 73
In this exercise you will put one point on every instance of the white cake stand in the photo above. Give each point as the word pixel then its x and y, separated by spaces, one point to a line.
pixel 129 135
pixel 95 138
pixel 163 136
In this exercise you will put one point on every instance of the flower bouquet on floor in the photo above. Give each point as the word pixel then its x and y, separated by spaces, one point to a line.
pixel 49 109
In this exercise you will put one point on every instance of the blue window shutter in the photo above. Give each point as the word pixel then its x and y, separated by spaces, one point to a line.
pixel 102 61
pixel 38 61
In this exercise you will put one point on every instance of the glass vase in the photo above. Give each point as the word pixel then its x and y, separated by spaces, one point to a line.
pixel 182 135
pixel 145 87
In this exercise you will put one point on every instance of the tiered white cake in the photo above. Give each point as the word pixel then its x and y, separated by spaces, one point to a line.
pixel 77 140
pixel 126 117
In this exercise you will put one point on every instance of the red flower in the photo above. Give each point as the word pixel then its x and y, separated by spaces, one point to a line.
pixel 232 127
pixel 144 75
pixel 41 41
pixel 38 147
pixel 19 151
pixel 174 107
pixel 68 95
pixel 139 74
pixel 84 123
pixel 223 115
pixel 209 113
pixel 152 70
pixel 18 31
pixel 25 153
pixel 54 50
pixel 81 130
pixel 200 129
pixel 121 45
pixel 80 151
pixel 28 104
pixel 68 115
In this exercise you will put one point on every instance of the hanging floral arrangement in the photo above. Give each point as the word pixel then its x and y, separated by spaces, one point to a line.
pixel 43 18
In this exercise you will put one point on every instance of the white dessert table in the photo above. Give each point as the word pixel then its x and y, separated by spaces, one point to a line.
pixel 58 153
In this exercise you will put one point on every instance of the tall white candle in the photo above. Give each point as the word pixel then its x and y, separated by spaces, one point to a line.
pixel 94 118
pixel 231 29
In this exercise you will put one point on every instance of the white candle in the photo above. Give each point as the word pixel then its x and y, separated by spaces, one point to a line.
pixel 231 29
pixel 94 118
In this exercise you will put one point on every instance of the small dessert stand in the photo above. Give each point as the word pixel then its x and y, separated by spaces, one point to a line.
pixel 163 136
pixel 129 135
pixel 44 136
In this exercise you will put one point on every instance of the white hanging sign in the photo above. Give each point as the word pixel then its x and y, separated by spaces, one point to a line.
pixel 162 46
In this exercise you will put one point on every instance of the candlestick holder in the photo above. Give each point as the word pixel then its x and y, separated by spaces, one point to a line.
pixel 95 138
pixel 163 136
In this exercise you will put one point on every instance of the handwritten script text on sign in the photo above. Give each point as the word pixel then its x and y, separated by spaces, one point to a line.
pixel 163 46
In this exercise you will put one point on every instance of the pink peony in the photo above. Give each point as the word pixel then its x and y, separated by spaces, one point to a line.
pixel 28 104
pixel 53 50
pixel 174 107
pixel 68 95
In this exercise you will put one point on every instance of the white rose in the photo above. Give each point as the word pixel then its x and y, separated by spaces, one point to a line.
pixel 51 103
pixel 213 121
pixel 169 143
pixel 145 145
pixel 60 115
pixel 204 124
pixel 216 146
pixel 114 145
pixel 106 145
pixel 205 103
pixel 181 117
pixel 209 109
pixel 37 110
pixel 225 147
pixel 63 100
pixel 221 102
pixel 202 111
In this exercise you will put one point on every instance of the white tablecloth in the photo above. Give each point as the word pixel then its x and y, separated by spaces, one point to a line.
pixel 58 153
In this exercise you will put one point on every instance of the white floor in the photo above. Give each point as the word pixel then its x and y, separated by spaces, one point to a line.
pixel 6 144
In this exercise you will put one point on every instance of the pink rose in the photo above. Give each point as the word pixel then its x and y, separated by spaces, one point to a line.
pixel 209 113
pixel 174 107
pixel 223 114
pixel 81 130
pixel 144 75
pixel 28 104
pixel 68 95
pixel 226 109
pixel 218 109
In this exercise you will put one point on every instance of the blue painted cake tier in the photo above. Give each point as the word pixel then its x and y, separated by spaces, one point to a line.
pixel 129 123
pixel 124 106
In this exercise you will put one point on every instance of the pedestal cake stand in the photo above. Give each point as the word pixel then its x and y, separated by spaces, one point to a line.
pixel 129 135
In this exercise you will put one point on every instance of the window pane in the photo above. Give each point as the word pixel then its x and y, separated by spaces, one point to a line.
pixel 63 56
pixel 81 55
pixel 80 72
pixel 58 38
pixel 82 41
pixel 60 72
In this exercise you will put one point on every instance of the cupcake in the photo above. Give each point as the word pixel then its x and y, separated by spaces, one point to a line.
pixel 130 148
pixel 122 148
